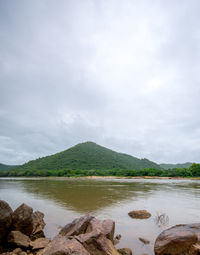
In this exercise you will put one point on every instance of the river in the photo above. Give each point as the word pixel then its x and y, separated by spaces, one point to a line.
pixel 64 199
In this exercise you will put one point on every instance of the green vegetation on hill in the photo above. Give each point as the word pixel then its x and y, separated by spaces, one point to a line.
pixel 88 156
pixel 171 166
pixel 193 171
pixel 6 167
pixel 90 159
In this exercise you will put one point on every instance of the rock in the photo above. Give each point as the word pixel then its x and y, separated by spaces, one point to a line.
pixel 77 226
pixel 40 243
pixel 180 239
pixel 106 227
pixel 17 251
pixel 139 214
pixel 143 240
pixel 18 239
pixel 38 225
pixel 85 235
pixel 117 239
pixel 125 251
pixel 97 244
pixel 5 218
pixel 22 219
pixel 62 245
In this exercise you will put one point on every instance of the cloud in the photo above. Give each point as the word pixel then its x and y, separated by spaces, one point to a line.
pixel 122 74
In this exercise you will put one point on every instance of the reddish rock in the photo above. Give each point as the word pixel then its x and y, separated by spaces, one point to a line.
pixel 97 244
pixel 106 227
pixel 178 240
pixel 125 251
pixel 18 239
pixel 5 218
pixel 77 226
pixel 39 243
pixel 22 219
pixel 139 214
pixel 62 245
pixel 38 225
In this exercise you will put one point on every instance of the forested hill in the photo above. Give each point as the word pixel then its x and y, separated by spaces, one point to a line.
pixel 86 156
pixel 6 167
pixel 171 166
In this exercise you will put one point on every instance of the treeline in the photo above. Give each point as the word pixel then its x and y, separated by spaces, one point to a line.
pixel 192 171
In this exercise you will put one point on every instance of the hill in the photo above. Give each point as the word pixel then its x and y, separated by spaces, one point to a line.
pixel 87 156
pixel 6 167
pixel 171 166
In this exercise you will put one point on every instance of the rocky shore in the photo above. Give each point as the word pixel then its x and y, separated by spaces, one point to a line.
pixel 21 233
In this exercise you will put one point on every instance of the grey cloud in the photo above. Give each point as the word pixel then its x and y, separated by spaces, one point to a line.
pixel 120 73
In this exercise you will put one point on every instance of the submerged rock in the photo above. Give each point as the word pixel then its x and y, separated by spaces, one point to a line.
pixel 143 240
pixel 5 218
pixel 139 214
pixel 125 251
pixel 179 240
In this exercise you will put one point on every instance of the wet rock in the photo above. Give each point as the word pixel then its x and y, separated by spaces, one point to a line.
pixel 22 219
pixel 139 214
pixel 77 226
pixel 39 243
pixel 125 251
pixel 38 225
pixel 178 240
pixel 5 218
pixel 143 240
pixel 18 239
pixel 62 245
pixel 106 227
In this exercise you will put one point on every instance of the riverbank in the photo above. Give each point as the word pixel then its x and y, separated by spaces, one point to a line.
pixel 100 177
pixel 21 233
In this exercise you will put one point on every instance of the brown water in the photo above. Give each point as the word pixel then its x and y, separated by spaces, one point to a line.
pixel 64 199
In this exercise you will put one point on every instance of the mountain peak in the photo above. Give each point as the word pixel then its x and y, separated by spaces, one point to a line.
pixel 88 155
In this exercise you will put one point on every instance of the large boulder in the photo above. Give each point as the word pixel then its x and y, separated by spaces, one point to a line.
pixel 39 243
pixel 140 214
pixel 97 244
pixel 94 235
pixel 179 240
pixel 63 245
pixel 29 223
pixel 5 218
pixel 77 226
pixel 18 239
pixel 22 219
pixel 106 227
pixel 38 225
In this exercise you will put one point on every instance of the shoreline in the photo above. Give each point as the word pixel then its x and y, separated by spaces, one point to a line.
pixel 103 177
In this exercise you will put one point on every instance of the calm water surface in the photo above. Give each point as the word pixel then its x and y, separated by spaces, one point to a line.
pixel 62 200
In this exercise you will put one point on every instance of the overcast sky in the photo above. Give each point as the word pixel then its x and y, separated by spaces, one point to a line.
pixel 122 73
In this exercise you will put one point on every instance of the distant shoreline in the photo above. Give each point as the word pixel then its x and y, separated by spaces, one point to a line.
pixel 101 177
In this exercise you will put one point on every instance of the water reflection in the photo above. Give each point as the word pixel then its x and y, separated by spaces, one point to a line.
pixel 82 196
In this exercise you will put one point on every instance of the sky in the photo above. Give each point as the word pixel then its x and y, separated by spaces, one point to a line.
pixel 123 74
